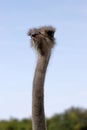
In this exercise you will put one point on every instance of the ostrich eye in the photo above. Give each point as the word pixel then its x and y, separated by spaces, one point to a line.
pixel 34 34
pixel 50 33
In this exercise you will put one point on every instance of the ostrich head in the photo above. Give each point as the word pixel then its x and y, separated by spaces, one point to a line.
pixel 42 39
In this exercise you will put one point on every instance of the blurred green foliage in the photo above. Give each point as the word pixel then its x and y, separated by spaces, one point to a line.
pixel 72 119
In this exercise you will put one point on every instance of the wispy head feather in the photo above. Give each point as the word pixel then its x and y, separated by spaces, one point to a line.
pixel 42 39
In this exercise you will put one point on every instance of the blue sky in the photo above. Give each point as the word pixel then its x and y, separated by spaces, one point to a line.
pixel 66 79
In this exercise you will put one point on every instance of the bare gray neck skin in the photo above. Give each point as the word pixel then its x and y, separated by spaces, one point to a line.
pixel 38 114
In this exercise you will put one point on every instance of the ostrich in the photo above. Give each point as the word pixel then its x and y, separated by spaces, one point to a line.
pixel 42 39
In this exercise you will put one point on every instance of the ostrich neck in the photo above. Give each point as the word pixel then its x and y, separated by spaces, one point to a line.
pixel 38 115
